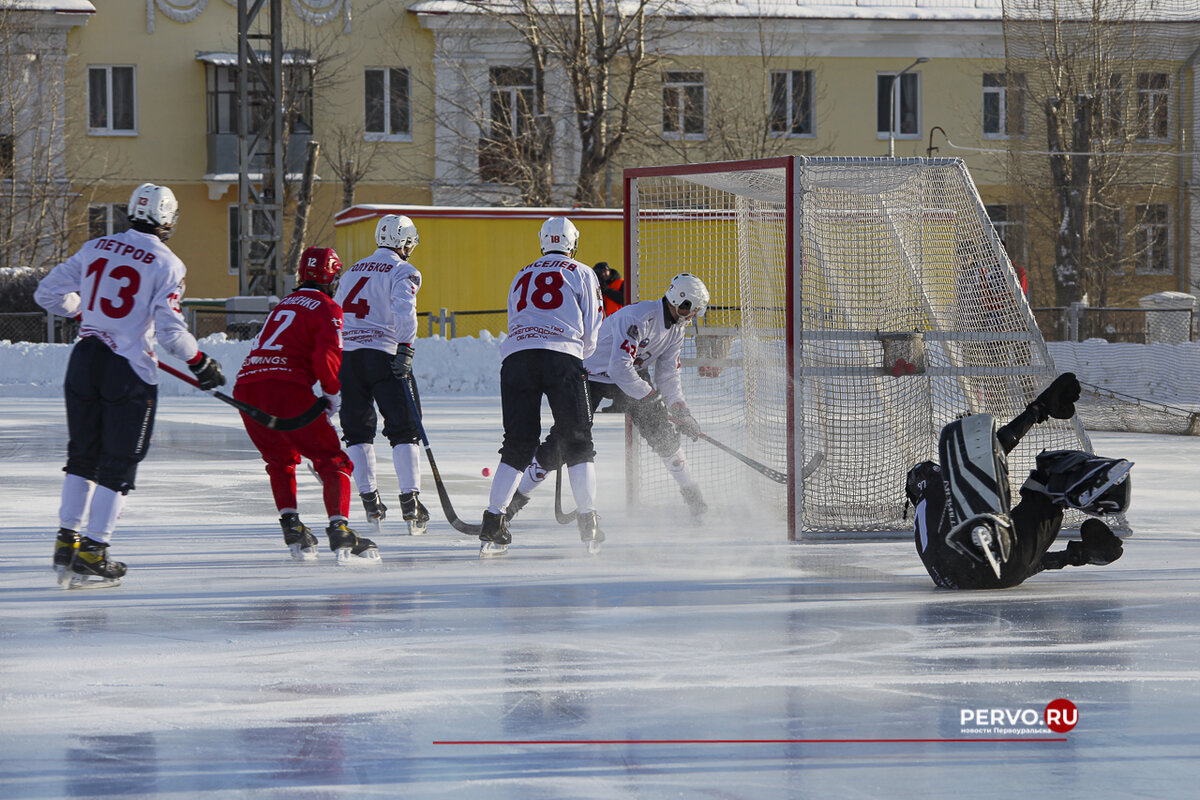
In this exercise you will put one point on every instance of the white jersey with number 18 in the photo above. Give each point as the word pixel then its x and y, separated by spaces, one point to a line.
pixel 554 304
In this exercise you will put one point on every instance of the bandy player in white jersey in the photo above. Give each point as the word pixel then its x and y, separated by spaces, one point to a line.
pixel 634 339
pixel 378 296
pixel 125 291
pixel 554 315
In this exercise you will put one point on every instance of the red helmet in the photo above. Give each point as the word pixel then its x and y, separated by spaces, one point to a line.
pixel 320 265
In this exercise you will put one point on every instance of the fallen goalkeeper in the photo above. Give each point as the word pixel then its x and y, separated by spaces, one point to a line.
pixel 967 533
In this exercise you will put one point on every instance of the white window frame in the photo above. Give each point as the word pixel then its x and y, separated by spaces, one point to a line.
pixel 520 121
pixel 1006 88
pixel 113 214
pixel 899 108
pixel 672 80
pixel 387 134
pixel 1144 233
pixel 107 129
pixel 1153 98
pixel 790 115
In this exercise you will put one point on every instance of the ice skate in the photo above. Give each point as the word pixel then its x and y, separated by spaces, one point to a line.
pixel 518 502
pixel 298 537
pixel 695 501
pixel 416 516
pixel 376 510
pixel 494 537
pixel 351 549
pixel 91 568
pixel 64 553
pixel 589 531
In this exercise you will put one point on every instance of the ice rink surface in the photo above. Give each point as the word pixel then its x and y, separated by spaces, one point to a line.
pixel 719 662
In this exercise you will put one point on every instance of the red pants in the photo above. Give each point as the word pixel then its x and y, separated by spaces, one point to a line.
pixel 282 450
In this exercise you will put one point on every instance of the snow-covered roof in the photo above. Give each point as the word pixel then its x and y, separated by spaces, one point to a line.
pixel 831 9
pixel 58 6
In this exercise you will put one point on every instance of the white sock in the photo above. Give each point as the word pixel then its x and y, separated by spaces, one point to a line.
pixel 76 494
pixel 531 478
pixel 677 466
pixel 504 483
pixel 583 486
pixel 407 460
pixel 362 456
pixel 103 515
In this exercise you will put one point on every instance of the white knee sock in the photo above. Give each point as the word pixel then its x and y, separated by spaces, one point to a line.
pixel 677 466
pixel 362 456
pixel 531 478
pixel 407 460
pixel 504 483
pixel 103 515
pixel 583 486
pixel 76 494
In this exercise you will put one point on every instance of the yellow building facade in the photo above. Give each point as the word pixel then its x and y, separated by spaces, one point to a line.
pixel 847 69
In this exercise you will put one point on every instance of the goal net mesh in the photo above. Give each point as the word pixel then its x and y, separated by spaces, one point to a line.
pixel 836 354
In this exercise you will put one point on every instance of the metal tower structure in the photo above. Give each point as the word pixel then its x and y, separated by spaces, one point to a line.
pixel 260 146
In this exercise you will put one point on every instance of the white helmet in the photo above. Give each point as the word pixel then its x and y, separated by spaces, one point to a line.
pixel 155 205
pixel 397 231
pixel 559 235
pixel 688 294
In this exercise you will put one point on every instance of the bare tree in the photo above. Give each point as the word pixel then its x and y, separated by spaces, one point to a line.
pixel 1085 161
pixel 596 53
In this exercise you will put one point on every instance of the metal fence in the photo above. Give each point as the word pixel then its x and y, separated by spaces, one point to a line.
pixel 205 318
pixel 1079 323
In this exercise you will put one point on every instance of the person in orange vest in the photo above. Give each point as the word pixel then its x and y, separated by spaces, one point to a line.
pixel 612 286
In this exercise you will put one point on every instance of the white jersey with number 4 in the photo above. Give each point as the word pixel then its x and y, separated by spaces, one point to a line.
pixel 378 296
pixel 634 338
pixel 554 304
pixel 126 289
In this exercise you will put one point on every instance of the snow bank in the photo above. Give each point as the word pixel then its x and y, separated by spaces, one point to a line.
pixel 466 365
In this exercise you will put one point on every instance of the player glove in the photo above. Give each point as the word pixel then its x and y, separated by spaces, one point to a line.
pixel 207 371
pixel 1058 400
pixel 651 404
pixel 335 403
pixel 402 363
pixel 684 421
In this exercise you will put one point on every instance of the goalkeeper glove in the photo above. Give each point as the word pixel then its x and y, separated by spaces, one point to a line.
pixel 684 421
pixel 1058 400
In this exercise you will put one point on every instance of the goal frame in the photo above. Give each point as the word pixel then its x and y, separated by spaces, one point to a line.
pixel 795 441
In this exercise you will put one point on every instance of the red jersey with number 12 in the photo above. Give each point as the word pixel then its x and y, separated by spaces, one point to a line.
pixel 301 342
pixel 554 304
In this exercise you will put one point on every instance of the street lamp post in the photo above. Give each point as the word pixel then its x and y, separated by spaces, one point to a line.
pixel 892 105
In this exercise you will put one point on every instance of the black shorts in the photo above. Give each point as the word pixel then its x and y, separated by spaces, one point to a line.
pixel 367 382
pixel 110 416
pixel 525 377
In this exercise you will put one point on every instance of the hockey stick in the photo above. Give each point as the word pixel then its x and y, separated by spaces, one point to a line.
pixel 762 469
pixel 257 414
pixel 447 506
pixel 563 518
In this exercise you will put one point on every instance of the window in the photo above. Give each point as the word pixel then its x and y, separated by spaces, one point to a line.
pixel 105 219
pixel 7 155
pixel 1153 106
pixel 1003 104
pixel 683 105
pixel 111 104
pixel 388 115
pixel 1152 238
pixel 1112 106
pixel 792 103
pixel 1009 222
pixel 513 102
pixel 906 122
pixel 261 224
pixel 222 93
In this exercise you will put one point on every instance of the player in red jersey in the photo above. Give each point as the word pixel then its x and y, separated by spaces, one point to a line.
pixel 300 345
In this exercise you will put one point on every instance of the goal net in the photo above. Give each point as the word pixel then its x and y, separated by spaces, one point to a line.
pixel 858 305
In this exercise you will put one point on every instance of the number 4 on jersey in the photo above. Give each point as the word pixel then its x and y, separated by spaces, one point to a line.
pixel 353 304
